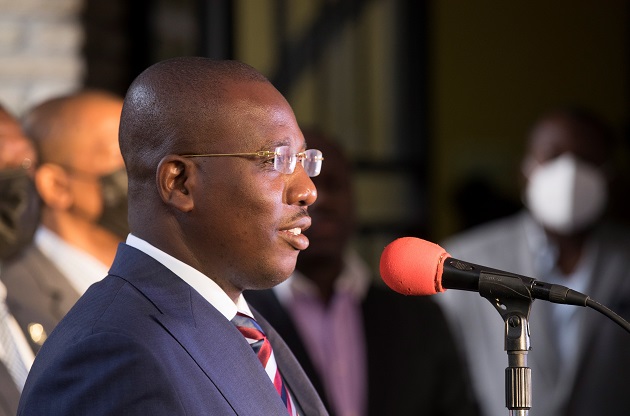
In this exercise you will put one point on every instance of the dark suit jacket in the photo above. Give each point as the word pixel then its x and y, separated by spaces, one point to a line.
pixel 413 367
pixel 37 292
pixel 143 342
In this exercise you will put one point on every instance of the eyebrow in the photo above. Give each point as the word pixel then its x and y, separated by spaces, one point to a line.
pixel 281 142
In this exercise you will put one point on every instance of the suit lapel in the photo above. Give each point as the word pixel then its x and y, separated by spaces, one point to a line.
pixel 266 304
pixel 208 337
pixel 303 391
pixel 62 296
pixel 51 299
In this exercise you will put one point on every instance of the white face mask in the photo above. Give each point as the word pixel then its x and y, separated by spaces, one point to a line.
pixel 566 194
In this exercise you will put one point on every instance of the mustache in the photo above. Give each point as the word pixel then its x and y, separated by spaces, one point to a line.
pixel 302 213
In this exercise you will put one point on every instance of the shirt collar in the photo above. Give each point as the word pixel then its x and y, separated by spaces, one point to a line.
pixel 205 286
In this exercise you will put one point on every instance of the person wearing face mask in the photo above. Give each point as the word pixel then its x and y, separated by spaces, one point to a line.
pixel 19 216
pixel 83 188
pixel 19 203
pixel 579 359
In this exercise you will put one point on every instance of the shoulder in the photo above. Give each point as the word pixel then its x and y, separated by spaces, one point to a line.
pixel 109 344
pixel 111 365
pixel 34 281
pixel 614 236
pixel 487 237
pixel 31 277
pixel 30 260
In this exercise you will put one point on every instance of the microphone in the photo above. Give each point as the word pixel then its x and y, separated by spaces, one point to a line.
pixel 412 266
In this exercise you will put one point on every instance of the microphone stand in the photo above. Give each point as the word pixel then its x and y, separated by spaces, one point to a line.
pixel 512 296
pixel 513 301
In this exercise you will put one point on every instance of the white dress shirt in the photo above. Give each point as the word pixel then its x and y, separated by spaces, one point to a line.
pixel 23 349
pixel 205 286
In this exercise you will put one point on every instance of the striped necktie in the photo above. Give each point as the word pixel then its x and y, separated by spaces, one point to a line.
pixel 262 347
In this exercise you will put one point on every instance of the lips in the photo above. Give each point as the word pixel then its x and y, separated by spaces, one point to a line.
pixel 293 233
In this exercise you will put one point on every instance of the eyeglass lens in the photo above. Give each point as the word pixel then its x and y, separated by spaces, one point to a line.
pixel 285 161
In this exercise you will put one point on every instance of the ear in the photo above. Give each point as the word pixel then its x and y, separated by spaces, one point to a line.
pixel 53 185
pixel 174 180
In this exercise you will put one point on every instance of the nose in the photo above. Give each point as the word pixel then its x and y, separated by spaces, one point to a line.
pixel 300 188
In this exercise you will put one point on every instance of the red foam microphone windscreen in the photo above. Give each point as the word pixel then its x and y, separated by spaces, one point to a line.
pixel 413 266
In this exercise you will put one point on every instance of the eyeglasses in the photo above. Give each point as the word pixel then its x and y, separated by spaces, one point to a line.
pixel 283 160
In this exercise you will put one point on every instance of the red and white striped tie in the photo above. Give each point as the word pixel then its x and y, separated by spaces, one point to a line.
pixel 262 347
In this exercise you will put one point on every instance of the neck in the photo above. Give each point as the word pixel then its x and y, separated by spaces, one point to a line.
pixel 89 237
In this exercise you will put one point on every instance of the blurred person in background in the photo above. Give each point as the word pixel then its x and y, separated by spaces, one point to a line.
pixel 579 359
pixel 19 215
pixel 83 187
pixel 368 350
pixel 19 204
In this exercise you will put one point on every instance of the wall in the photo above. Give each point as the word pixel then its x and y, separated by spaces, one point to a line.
pixel 40 43
pixel 492 67
pixel 349 86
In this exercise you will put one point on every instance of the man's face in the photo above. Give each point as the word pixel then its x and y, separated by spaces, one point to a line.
pixel 555 137
pixel 565 186
pixel 247 220
pixel 95 154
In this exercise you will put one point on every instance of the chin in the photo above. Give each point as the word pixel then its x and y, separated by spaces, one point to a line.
pixel 268 283
pixel 270 278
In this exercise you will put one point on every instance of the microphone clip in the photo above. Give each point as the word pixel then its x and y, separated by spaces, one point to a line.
pixel 512 298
